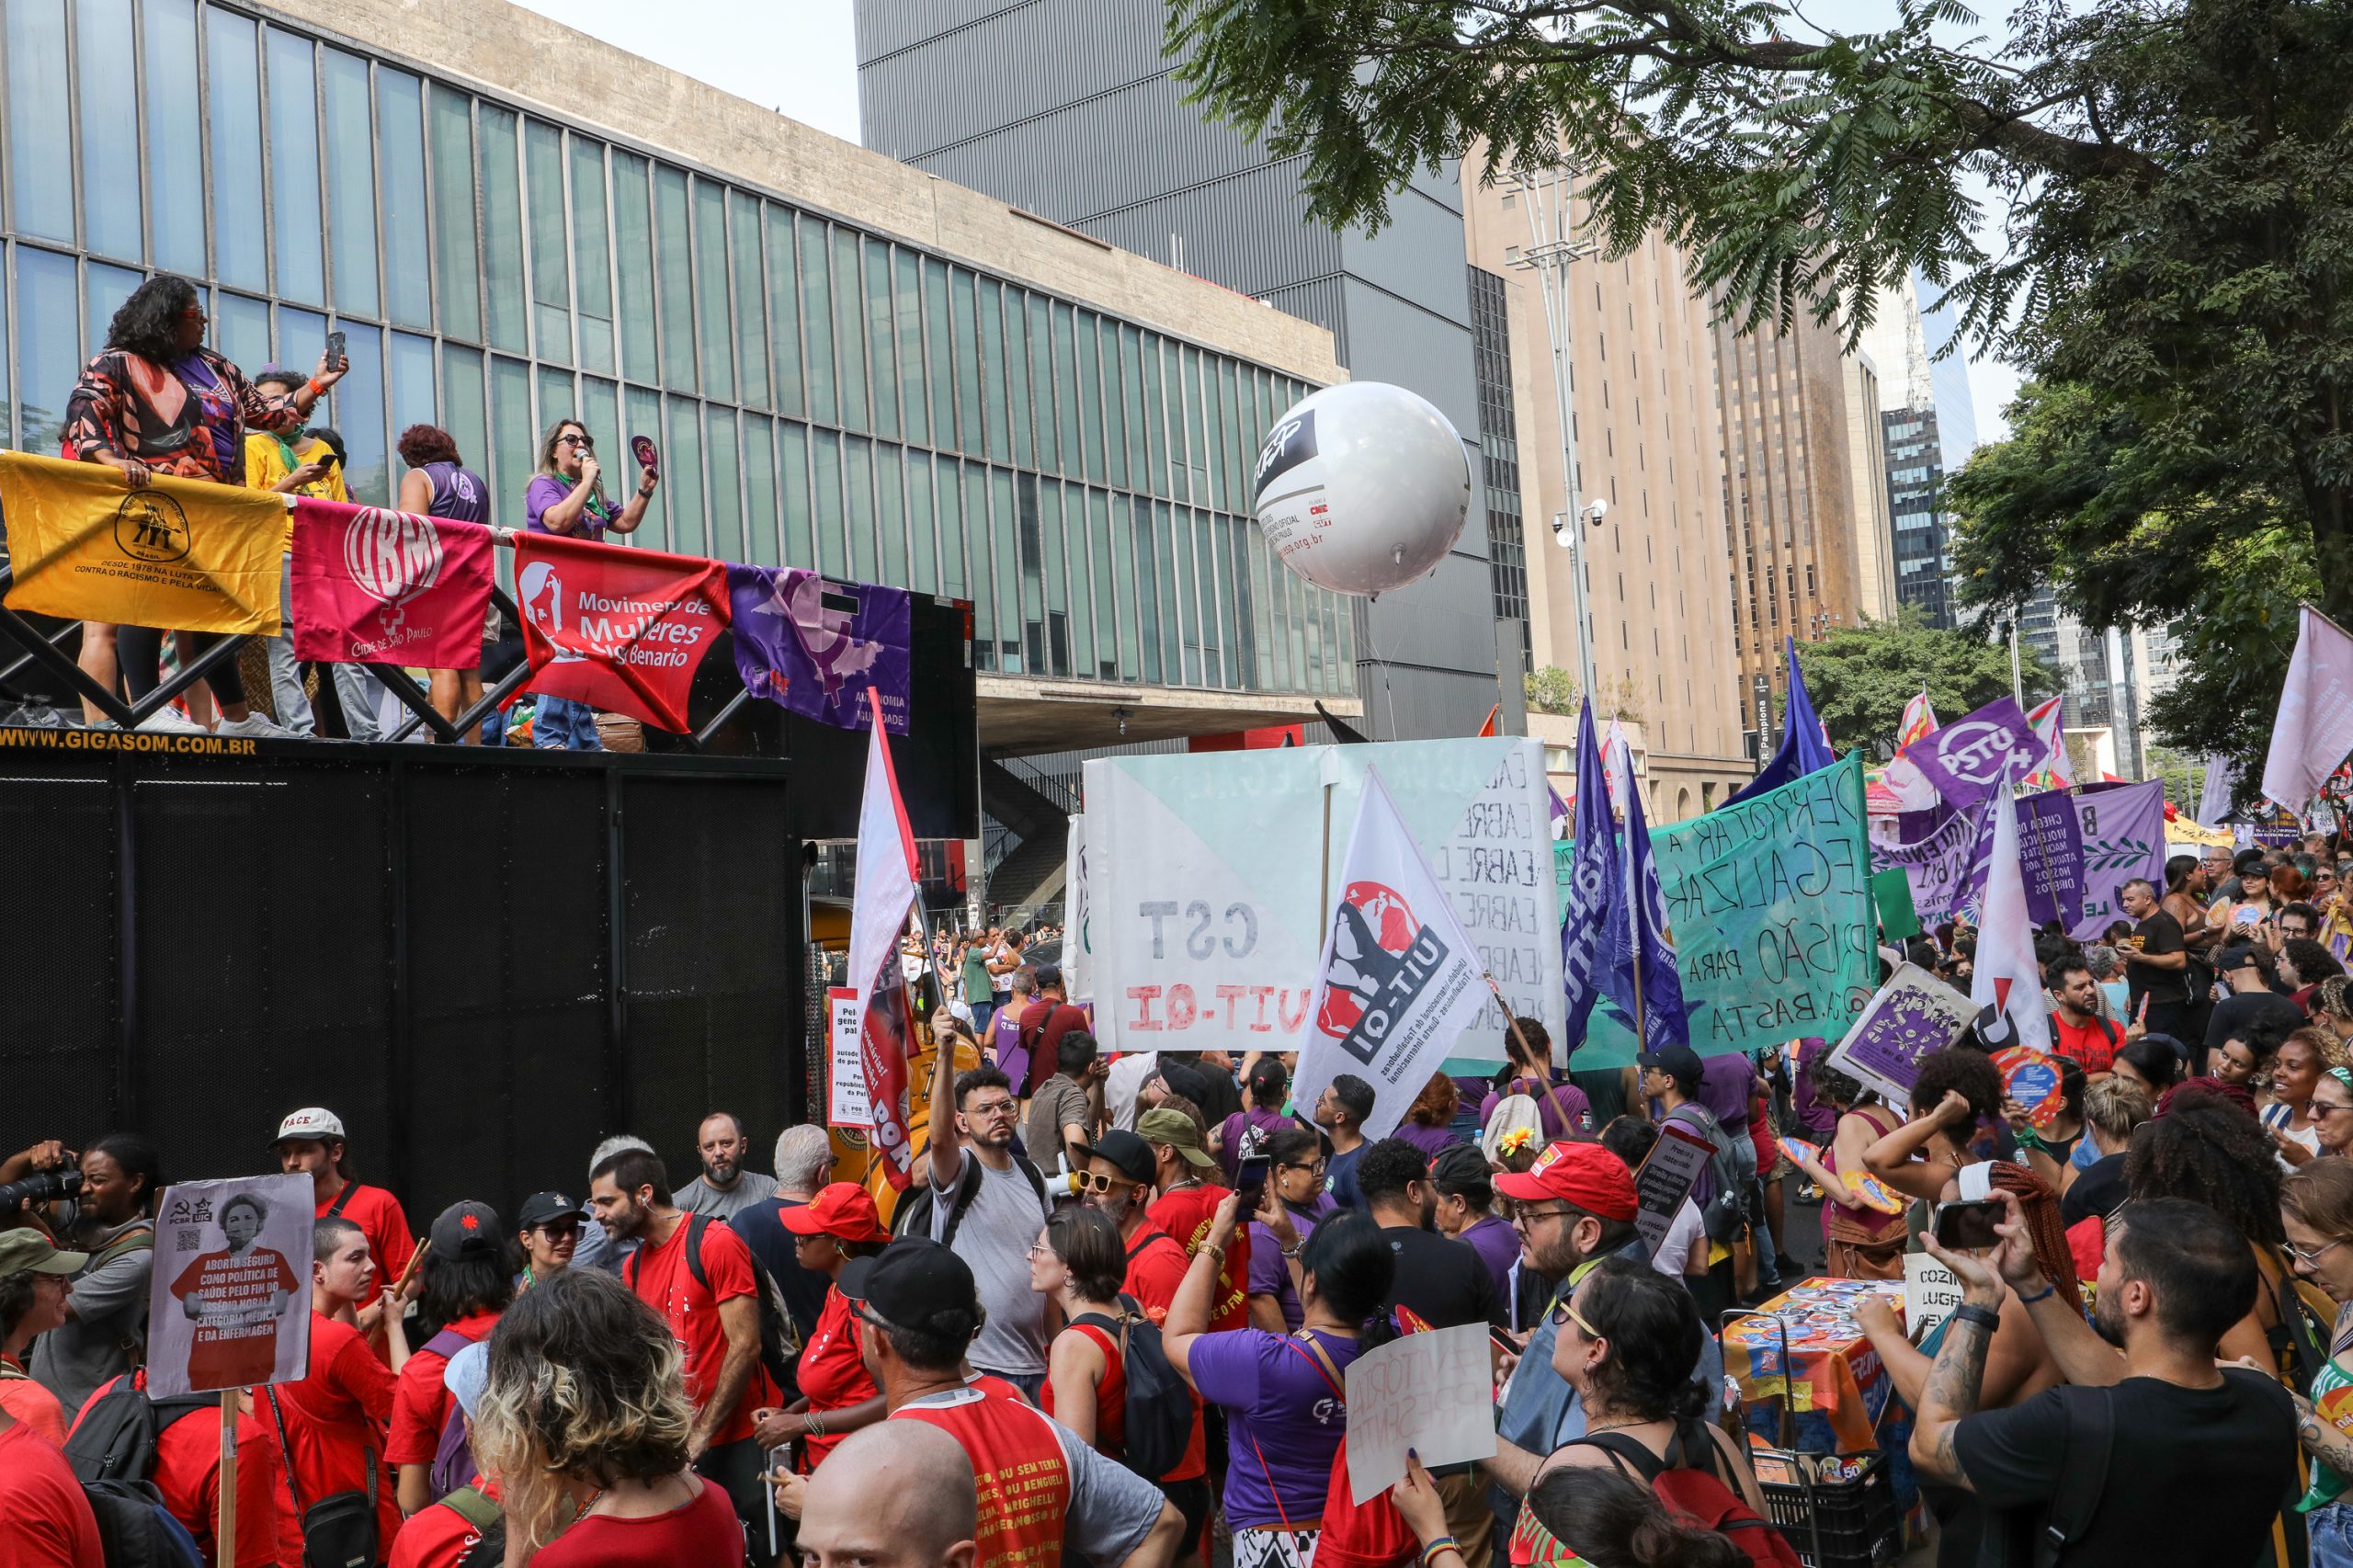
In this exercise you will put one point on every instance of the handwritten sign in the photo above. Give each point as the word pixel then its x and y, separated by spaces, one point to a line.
pixel 1771 907
pixel 229 1304
pixel 1930 1293
pixel 846 1103
pixel 1665 1180
pixel 1433 1391
pixel 1913 1014
pixel 1936 852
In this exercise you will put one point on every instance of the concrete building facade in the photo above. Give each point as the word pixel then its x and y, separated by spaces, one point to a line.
pixel 1068 108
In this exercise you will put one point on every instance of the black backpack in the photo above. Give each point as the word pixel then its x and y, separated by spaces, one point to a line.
pixel 779 1336
pixel 112 1452
pixel 913 1217
pixel 135 1531
pixel 1160 1402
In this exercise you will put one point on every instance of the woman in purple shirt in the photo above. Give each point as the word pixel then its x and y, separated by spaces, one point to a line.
pixel 567 496
pixel 438 484
pixel 1466 1196
pixel 1428 1124
pixel 1295 1171
pixel 1261 1117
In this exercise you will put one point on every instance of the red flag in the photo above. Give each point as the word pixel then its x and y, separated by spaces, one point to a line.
pixel 881 901
pixel 1494 726
pixel 618 628
pixel 380 587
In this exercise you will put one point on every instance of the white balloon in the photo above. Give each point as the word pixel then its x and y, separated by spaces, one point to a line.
pixel 1362 487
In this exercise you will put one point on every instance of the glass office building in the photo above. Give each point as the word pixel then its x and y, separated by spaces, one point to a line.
pixel 824 395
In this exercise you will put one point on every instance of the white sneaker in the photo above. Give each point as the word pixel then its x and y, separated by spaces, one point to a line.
pixel 253 726
pixel 170 721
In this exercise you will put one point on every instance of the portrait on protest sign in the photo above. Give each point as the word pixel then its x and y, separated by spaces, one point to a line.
pixel 229 1303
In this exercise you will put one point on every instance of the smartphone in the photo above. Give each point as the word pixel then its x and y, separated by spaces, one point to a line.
pixel 1969 1227
pixel 336 359
pixel 1250 1181
pixel 1503 1340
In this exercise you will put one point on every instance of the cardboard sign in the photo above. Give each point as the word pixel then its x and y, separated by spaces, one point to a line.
pixel 1434 1391
pixel 845 1101
pixel 230 1302
pixel 2032 1079
pixel 1930 1293
pixel 1913 1015
pixel 1665 1180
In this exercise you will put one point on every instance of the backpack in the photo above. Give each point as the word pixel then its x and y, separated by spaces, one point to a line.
pixel 453 1457
pixel 113 1440
pixel 1724 1217
pixel 779 1338
pixel 135 1531
pixel 1160 1403
pixel 1699 1496
pixel 482 1516
pixel 913 1217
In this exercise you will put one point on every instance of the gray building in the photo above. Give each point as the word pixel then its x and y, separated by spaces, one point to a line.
pixel 1068 109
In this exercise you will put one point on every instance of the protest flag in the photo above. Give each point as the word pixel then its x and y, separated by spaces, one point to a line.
pixel 385 588
pixel 882 898
pixel 1803 748
pixel 2314 728
pixel 1968 759
pixel 181 554
pixel 2050 733
pixel 1920 719
pixel 2008 980
pixel 1593 873
pixel 816 648
pixel 1639 971
pixel 620 629
pixel 1400 978
pixel 2214 794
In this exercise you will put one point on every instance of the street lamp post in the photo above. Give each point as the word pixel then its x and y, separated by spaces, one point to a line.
pixel 1547 193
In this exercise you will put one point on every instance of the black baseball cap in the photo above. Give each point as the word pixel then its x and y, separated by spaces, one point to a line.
pixel 916 1284
pixel 468 1230
pixel 1130 1153
pixel 1679 1062
pixel 542 1207
pixel 2238 954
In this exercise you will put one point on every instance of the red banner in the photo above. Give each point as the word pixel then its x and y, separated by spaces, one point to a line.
pixel 618 628
pixel 372 586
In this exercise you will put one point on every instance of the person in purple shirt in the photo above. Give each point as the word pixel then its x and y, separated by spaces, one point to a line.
pixel 1818 1115
pixel 1466 1195
pixel 1260 1118
pixel 1295 1172
pixel 567 496
pixel 1564 1109
pixel 440 484
pixel 1428 1124
pixel 1725 1084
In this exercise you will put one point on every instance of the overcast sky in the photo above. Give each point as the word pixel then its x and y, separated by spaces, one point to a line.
pixel 798 57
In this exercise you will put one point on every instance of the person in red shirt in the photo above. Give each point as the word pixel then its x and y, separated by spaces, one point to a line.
pixel 442 1533
pixel 2076 1029
pixel 311 1142
pixel 187 1473
pixel 713 1313
pixel 1189 1201
pixel 44 1518
pixel 234 1297
pixel 905 1498
pixel 333 1423
pixel 599 1478
pixel 1043 1023
pixel 837 1396
pixel 1119 1170
pixel 32 1302
pixel 465 1281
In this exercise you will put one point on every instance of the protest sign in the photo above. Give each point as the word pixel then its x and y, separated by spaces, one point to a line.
pixel 229 1304
pixel 2051 857
pixel 1971 757
pixel 845 1101
pixel 1913 1015
pixel 1665 1178
pixel 1769 903
pixel 1206 872
pixel 1936 852
pixel 621 629
pixel 2031 1078
pixel 383 587
pixel 2122 830
pixel 816 647
pixel 176 553
pixel 1078 915
pixel 1434 1391
pixel 1930 1293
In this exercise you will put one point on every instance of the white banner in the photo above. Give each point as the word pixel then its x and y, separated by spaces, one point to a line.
pixel 1434 1391
pixel 229 1304
pixel 1930 1293
pixel 1399 980
pixel 1203 871
pixel 1665 1178
pixel 846 1104
pixel 1078 962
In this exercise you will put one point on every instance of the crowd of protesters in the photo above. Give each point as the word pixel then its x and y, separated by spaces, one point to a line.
pixel 1112 1318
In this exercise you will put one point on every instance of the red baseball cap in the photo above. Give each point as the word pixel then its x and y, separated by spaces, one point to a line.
pixel 1583 1174
pixel 841 1210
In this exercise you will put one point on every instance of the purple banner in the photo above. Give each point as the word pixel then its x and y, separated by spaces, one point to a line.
pixel 1942 852
pixel 2122 829
pixel 1969 757
pixel 1937 851
pixel 815 647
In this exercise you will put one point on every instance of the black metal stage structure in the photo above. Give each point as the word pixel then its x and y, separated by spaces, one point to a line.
pixel 484 959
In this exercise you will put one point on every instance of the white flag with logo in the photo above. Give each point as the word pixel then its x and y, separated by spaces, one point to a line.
pixel 2008 979
pixel 882 898
pixel 1400 979
pixel 2314 730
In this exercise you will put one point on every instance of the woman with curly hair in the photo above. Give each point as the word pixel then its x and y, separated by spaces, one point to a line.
pixel 584 1423
pixel 1957 1096
pixel 440 484
pixel 1427 1120
pixel 157 401
pixel 2207 1150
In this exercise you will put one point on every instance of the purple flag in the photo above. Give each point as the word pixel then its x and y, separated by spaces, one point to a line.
pixel 1594 872
pixel 815 647
pixel 1638 960
pixel 1969 758
pixel 2122 830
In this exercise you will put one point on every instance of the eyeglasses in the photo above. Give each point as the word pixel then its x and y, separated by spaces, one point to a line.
pixel 2310 1258
pixel 2317 1109
pixel 1524 1216
pixel 1095 1181
pixel 1316 1167
pixel 1566 1313
pixel 993 1107
pixel 1039 1249
pixel 568 1230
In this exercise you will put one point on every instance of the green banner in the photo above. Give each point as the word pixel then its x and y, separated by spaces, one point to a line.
pixel 1892 890
pixel 1769 905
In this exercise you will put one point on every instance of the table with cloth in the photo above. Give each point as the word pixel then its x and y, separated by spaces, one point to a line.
pixel 1840 1398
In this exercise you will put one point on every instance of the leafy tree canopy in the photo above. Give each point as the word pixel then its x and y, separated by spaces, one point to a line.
pixel 1861 676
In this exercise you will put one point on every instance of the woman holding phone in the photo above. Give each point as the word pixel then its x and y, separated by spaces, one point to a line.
pixel 567 496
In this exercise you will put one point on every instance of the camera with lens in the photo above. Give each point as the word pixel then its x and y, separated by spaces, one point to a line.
pixel 41 1187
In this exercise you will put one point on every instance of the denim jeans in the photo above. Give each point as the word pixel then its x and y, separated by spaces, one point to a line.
pixel 558 724
pixel 286 693
pixel 2331 1530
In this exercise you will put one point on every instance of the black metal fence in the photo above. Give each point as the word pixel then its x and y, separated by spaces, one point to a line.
pixel 483 962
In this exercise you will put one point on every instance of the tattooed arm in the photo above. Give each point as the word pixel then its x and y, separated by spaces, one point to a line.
pixel 1959 1373
pixel 2320 1438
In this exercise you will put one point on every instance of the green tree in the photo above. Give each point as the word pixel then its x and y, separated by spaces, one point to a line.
pixel 2174 205
pixel 1861 676
pixel 1551 689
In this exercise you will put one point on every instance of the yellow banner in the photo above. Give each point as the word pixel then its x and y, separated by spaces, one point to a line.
pixel 2181 830
pixel 179 554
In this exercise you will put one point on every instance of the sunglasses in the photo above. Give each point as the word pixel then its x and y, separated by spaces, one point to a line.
pixel 583 442
pixel 1094 1183
pixel 565 1230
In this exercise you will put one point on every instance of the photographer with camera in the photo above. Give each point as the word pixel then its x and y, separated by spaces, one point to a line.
pixel 100 1203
